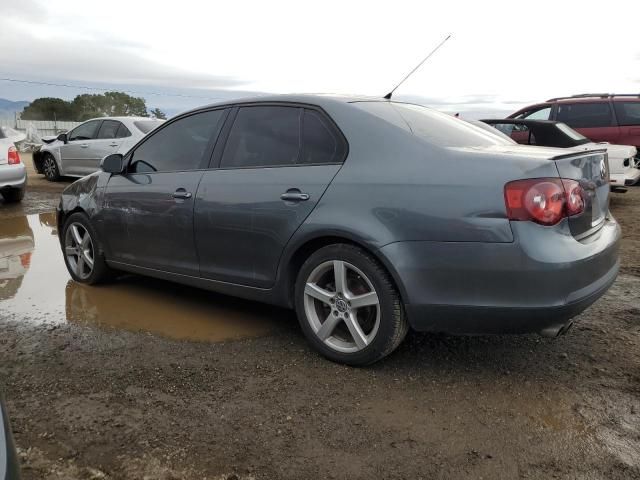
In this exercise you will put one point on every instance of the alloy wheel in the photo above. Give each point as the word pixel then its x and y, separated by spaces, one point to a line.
pixel 342 306
pixel 50 167
pixel 78 248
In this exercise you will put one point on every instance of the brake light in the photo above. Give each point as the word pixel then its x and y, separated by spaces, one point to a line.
pixel 13 156
pixel 543 200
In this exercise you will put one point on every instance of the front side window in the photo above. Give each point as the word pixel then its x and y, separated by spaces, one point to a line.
pixel 585 115
pixel 540 114
pixel 86 131
pixel 321 143
pixel 263 136
pixel 109 129
pixel 628 113
pixel 179 146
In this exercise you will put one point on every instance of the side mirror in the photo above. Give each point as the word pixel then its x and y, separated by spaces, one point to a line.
pixel 112 163
pixel 63 138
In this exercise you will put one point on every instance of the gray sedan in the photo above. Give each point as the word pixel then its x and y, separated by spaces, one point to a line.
pixel 367 216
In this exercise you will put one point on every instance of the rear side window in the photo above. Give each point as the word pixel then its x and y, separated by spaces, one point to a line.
pixel 123 132
pixel 109 129
pixel 435 127
pixel 86 131
pixel 263 136
pixel 321 143
pixel 178 146
pixel 585 115
pixel 628 113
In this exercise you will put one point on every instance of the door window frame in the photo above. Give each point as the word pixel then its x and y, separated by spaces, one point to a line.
pixel 216 157
pixel 206 155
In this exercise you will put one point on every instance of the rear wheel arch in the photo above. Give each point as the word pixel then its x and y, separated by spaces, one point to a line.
pixel 303 251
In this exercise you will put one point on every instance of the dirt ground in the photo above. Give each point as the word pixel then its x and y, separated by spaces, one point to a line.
pixel 94 396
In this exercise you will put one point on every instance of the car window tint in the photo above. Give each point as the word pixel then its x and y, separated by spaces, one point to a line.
pixel 178 146
pixel 108 129
pixel 628 113
pixel 321 143
pixel 86 131
pixel 432 126
pixel 585 115
pixel 123 131
pixel 263 136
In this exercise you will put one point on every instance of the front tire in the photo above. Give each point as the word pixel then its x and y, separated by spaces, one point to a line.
pixel 83 254
pixel 50 168
pixel 348 306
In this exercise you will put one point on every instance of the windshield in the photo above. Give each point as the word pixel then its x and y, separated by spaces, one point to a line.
pixel 435 127
pixel 145 126
pixel 567 130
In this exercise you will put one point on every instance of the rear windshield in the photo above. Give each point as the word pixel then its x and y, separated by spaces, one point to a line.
pixel 145 126
pixel 435 127
pixel 628 113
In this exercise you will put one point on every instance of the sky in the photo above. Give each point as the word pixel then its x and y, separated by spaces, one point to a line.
pixel 502 55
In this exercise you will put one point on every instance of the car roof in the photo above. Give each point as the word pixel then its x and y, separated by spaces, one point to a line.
pixel 124 119
pixel 319 99
pixel 596 97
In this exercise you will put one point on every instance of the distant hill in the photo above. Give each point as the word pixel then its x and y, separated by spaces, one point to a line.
pixel 8 108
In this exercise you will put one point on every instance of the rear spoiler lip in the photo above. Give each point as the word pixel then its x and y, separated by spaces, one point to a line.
pixel 586 153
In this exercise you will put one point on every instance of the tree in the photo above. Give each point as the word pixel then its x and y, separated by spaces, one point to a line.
pixel 85 106
pixel 48 109
pixel 157 113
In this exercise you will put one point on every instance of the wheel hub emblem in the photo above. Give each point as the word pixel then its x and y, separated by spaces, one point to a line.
pixel 341 305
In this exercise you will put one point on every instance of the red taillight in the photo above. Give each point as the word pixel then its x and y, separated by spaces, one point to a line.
pixel 543 200
pixel 13 156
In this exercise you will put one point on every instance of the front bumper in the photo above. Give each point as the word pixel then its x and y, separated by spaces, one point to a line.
pixel 535 284
pixel 13 176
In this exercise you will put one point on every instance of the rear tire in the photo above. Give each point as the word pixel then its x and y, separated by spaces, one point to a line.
pixel 348 306
pixel 82 251
pixel 13 195
pixel 50 168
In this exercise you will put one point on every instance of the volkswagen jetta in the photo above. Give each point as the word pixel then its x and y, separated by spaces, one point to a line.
pixel 366 216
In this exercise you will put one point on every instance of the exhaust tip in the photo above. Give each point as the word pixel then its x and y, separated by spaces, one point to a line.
pixel 556 330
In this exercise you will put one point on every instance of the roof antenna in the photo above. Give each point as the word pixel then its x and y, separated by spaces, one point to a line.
pixel 388 95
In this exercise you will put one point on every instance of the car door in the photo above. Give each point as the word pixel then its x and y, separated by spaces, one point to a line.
pixel 147 214
pixel 273 169
pixel 106 143
pixel 76 152
pixel 628 115
pixel 594 120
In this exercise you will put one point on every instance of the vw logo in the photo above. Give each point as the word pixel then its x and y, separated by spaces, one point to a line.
pixel 603 169
pixel 341 305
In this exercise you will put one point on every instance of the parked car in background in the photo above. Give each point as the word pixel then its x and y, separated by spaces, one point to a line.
pixel 622 163
pixel 353 211
pixel 9 466
pixel 78 152
pixel 613 118
pixel 13 174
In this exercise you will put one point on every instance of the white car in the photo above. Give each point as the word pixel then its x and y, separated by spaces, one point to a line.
pixel 78 153
pixel 13 174
pixel 623 167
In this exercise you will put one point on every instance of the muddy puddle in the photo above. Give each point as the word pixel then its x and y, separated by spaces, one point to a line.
pixel 36 288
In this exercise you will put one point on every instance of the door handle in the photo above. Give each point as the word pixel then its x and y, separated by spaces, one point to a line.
pixel 182 194
pixel 84 145
pixel 294 195
pixel 113 144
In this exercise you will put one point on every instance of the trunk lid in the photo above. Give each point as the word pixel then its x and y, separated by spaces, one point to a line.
pixel 591 170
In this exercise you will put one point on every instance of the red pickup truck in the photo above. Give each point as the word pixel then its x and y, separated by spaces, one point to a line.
pixel 613 118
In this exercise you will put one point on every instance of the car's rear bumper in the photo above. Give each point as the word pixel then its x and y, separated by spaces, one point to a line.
pixel 535 284
pixel 626 179
pixel 13 176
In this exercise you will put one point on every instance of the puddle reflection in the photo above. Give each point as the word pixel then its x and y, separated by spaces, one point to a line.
pixel 35 287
